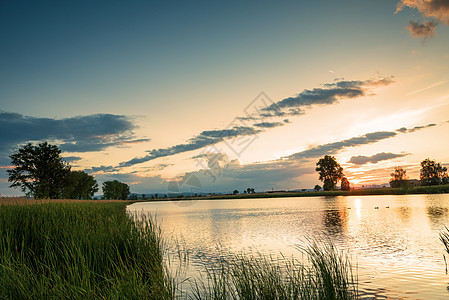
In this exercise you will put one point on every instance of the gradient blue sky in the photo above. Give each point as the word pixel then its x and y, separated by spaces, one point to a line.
pixel 149 92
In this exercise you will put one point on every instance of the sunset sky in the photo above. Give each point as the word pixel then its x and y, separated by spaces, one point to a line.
pixel 226 95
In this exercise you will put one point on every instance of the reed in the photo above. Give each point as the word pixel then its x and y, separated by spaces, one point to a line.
pixel 98 251
pixel 325 274
pixel 80 250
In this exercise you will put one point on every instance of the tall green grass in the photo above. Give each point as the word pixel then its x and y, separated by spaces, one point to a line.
pixel 98 251
pixel 326 274
pixel 80 250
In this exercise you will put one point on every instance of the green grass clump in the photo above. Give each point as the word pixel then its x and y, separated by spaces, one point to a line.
pixel 326 274
pixel 80 250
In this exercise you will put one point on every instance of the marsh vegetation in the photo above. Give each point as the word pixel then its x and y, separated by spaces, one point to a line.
pixel 97 250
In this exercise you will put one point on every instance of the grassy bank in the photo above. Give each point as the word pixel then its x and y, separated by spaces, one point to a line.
pixel 79 250
pixel 24 200
pixel 436 189
pixel 95 250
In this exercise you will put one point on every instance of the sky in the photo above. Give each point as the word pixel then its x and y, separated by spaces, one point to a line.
pixel 215 96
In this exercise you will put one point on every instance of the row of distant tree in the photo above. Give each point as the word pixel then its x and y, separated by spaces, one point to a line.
pixel 41 172
pixel 247 191
pixel 330 171
pixel 431 173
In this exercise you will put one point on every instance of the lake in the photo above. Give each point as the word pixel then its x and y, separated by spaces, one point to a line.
pixel 392 240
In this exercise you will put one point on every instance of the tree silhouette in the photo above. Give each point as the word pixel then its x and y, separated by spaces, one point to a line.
pixel 39 170
pixel 79 185
pixel 345 185
pixel 432 173
pixel 115 190
pixel 398 177
pixel 330 172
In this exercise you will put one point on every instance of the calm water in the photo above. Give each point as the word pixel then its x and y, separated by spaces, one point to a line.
pixel 395 246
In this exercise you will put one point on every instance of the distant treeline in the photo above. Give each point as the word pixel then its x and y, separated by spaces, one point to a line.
pixel 40 172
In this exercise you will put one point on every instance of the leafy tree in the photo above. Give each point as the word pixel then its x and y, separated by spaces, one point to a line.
pixel 39 170
pixel 79 185
pixel 317 188
pixel 432 173
pixel 330 172
pixel 115 190
pixel 345 185
pixel 398 178
pixel 235 192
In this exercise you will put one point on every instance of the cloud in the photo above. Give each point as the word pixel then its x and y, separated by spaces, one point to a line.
pixel 436 9
pixel 269 124
pixel 332 148
pixel 103 169
pixel 94 145
pixel 70 159
pixel 205 138
pixel 220 174
pixel 330 94
pixel 374 159
pixel 159 167
pixel 369 138
pixel 76 134
pixel 416 128
pixel 261 176
pixel 426 29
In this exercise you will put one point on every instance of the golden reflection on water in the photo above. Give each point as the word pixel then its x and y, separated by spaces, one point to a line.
pixel 358 207
pixel 394 240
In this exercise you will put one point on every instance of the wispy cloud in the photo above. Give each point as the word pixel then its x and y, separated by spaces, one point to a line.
pixel 416 128
pixel 374 159
pixel 436 10
pixel 103 169
pixel 205 138
pixel 329 94
pixel 426 29
pixel 369 138
pixel 269 124
pixel 332 148
pixel 428 87
pixel 219 173
pixel 287 171
pixel 70 159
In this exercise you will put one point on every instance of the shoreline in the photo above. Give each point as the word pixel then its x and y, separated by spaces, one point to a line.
pixel 419 190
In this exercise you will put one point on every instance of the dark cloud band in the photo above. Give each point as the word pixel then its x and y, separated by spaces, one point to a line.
pixel 374 159
pixel 77 134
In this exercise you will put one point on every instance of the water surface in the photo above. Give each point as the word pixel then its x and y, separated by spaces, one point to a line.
pixel 393 240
